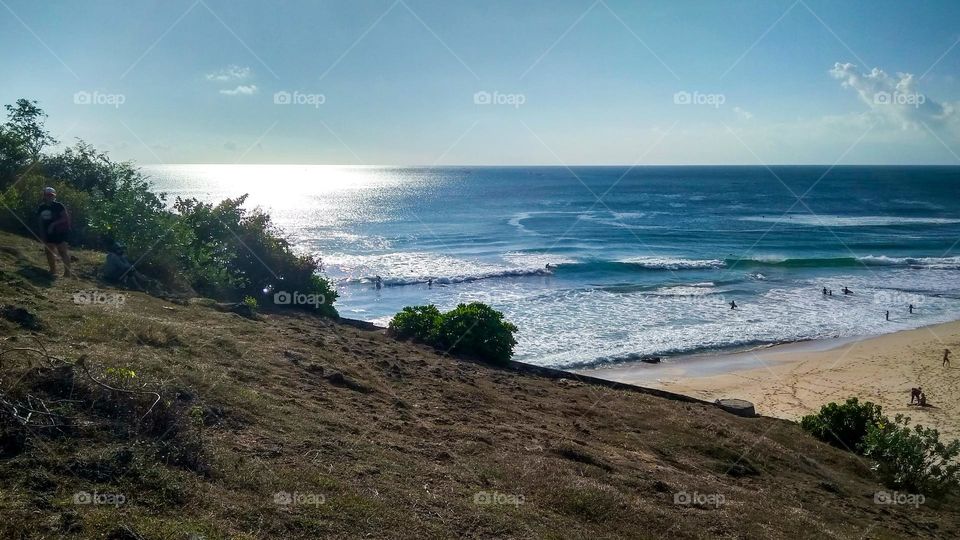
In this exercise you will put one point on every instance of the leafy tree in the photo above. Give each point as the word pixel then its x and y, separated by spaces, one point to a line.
pixel 25 120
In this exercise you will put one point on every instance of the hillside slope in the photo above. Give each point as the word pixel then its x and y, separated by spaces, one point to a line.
pixel 291 426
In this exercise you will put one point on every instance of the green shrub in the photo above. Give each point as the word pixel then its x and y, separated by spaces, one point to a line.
pixel 251 303
pixel 479 330
pixel 843 425
pixel 473 329
pixel 912 459
pixel 418 322
pixel 237 252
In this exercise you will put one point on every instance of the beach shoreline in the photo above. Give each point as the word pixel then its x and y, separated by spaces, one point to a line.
pixel 791 380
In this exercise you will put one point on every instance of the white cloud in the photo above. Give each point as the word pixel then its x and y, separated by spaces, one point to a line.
pixel 241 90
pixel 896 99
pixel 230 73
pixel 743 114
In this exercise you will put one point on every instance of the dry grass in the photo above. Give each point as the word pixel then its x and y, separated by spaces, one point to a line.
pixel 431 447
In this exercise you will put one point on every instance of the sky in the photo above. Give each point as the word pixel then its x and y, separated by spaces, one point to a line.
pixel 458 82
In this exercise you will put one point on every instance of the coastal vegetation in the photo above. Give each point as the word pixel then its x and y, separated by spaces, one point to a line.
pixel 905 457
pixel 218 250
pixel 473 329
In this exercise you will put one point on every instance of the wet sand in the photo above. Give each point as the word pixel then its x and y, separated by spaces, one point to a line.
pixel 791 380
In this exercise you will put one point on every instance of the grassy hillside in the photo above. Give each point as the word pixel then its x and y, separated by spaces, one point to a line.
pixel 290 426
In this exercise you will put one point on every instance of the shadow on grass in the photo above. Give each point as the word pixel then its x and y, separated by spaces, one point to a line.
pixel 37 276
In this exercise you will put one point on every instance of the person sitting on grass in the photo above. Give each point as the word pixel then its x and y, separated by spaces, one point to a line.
pixel 54 221
pixel 118 269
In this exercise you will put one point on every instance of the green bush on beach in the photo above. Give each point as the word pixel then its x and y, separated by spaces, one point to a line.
pixel 843 424
pixel 473 329
pixel 905 458
pixel 222 250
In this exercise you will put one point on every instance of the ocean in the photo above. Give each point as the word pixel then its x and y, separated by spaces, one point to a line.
pixel 600 265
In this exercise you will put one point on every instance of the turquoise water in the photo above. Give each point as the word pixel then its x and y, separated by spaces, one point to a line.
pixel 608 264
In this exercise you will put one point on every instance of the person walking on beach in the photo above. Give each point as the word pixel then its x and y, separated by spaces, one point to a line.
pixel 888 314
pixel 54 221
pixel 946 357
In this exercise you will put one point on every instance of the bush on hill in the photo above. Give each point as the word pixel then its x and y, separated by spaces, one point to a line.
pixel 912 459
pixel 473 329
pixel 843 425
pixel 419 323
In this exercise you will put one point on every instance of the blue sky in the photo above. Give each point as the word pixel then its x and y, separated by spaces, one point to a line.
pixel 494 82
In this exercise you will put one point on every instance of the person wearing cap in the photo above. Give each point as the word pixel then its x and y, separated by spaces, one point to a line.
pixel 54 220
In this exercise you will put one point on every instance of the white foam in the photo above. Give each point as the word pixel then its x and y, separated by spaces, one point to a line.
pixel 669 263
pixel 812 220
pixel 407 268
pixel 925 262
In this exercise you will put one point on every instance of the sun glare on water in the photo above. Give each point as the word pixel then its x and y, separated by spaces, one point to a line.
pixel 292 194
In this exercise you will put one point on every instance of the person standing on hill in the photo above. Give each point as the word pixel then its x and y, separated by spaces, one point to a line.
pixel 54 221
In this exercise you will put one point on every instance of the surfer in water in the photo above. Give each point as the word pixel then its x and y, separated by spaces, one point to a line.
pixel 824 291
pixel 846 290
pixel 379 282
pixel 733 304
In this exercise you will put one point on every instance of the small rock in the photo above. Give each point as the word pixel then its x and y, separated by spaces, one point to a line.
pixel 739 407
